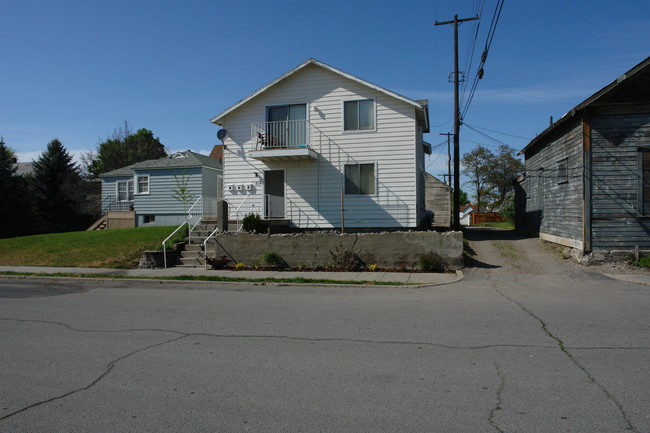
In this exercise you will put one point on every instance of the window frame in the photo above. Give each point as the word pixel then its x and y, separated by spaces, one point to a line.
pixel 136 184
pixel 563 171
pixel 129 190
pixel 358 165
pixel 358 130
pixel 643 186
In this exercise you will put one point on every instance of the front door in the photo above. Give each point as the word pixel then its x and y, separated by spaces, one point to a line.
pixel 274 194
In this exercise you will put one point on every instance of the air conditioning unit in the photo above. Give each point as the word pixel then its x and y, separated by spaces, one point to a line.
pixel 240 187
pixel 248 187
pixel 230 187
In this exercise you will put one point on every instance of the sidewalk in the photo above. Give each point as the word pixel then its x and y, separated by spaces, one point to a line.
pixel 399 278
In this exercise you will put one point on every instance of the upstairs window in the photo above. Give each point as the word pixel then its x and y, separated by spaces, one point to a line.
pixel 359 115
pixel 360 179
pixel 142 184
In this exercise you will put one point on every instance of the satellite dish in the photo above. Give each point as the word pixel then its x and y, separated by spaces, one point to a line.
pixel 222 134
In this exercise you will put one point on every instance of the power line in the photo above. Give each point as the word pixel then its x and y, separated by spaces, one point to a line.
pixel 498 132
pixel 486 50
pixel 486 136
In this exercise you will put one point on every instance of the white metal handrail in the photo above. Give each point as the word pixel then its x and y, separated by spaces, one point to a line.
pixel 164 243
pixel 194 214
pixel 205 245
pixel 237 213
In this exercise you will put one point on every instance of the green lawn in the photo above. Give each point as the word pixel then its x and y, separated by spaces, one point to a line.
pixel 117 248
pixel 503 225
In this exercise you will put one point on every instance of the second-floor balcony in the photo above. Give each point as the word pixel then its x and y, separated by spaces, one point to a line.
pixel 282 140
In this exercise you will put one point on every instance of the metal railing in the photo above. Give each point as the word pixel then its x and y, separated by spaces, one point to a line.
pixel 193 216
pixel 110 203
pixel 285 134
pixel 205 245
pixel 192 219
pixel 274 206
pixel 164 243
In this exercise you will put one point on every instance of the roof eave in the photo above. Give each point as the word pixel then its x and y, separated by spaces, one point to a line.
pixel 586 103
pixel 216 119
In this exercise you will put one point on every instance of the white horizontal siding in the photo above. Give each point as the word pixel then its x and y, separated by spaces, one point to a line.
pixel 313 187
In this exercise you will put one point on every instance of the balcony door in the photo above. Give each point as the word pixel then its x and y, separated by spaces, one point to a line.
pixel 287 125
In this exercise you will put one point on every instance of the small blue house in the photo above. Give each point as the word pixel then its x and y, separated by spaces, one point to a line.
pixel 147 193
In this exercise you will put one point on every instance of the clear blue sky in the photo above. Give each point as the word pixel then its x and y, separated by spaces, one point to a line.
pixel 76 70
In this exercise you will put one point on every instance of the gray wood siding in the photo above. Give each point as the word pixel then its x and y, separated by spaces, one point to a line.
pixel 313 188
pixel 615 178
pixel 552 206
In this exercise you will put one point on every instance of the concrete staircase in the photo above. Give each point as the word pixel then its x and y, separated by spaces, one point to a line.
pixel 193 256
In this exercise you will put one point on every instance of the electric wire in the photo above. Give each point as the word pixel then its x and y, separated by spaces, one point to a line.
pixel 478 12
pixel 497 132
pixel 486 50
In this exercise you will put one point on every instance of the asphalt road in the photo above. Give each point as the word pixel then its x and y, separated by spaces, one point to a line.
pixel 527 342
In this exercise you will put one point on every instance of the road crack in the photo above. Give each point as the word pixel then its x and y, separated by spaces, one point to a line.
pixel 109 368
pixel 499 398
pixel 287 337
pixel 564 350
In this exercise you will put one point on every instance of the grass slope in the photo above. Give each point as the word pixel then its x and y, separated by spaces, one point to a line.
pixel 117 248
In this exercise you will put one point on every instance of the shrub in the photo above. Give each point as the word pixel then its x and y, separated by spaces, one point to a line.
pixel 254 223
pixel 239 266
pixel 373 268
pixel 217 262
pixel 346 259
pixel 271 258
pixel 432 262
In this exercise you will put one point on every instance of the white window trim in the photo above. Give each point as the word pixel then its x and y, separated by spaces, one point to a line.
pixel 376 193
pixel 358 131
pixel 136 184
pixel 117 190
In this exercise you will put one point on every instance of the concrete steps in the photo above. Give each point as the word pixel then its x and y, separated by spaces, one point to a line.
pixel 193 256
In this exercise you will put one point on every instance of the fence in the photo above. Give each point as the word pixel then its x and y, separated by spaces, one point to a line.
pixel 486 217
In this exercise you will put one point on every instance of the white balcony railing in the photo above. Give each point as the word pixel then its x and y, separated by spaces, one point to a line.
pixel 286 134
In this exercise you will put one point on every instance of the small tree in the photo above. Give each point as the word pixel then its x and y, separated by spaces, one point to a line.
pixel 182 192
pixel 501 173
pixel 475 165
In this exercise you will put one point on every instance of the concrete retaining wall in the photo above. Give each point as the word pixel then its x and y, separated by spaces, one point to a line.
pixel 386 249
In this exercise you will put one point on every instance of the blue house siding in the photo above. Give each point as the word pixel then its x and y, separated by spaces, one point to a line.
pixel 109 193
pixel 160 200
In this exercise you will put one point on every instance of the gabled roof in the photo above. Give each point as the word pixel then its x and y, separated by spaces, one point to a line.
pixel 421 105
pixel 186 159
pixel 468 208
pixel 603 94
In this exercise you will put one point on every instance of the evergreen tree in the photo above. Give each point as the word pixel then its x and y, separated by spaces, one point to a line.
pixel 56 186
pixel 10 194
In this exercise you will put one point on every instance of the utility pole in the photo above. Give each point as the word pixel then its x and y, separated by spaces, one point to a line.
pixel 457 119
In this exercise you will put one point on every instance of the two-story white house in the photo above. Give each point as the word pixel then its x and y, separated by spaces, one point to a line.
pixel 323 149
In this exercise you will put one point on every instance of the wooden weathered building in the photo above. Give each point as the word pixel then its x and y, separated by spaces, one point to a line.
pixel 587 180
pixel 437 199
